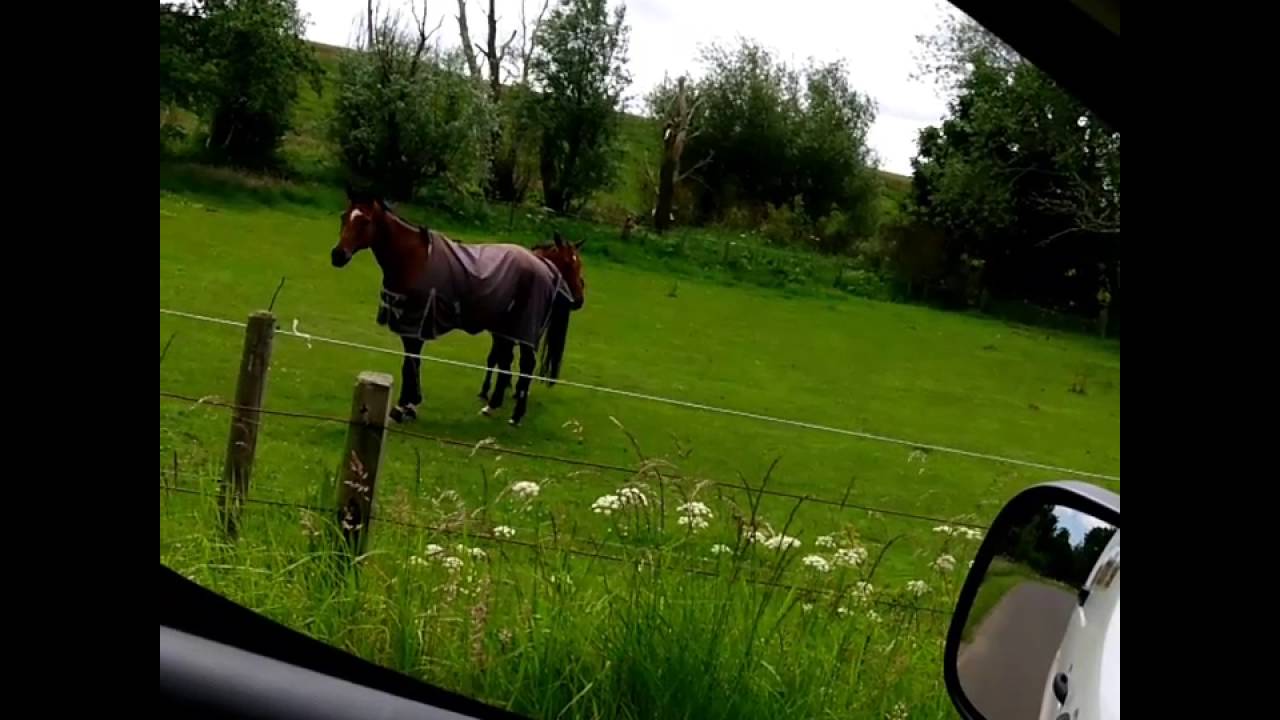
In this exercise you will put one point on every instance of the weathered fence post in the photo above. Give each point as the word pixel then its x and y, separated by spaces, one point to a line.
pixel 358 475
pixel 242 441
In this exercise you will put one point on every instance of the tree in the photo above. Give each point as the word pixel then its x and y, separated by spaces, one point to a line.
pixel 751 105
pixel 772 143
pixel 579 72
pixel 182 63
pixel 254 56
pixel 1019 175
pixel 510 170
pixel 405 113
pixel 678 108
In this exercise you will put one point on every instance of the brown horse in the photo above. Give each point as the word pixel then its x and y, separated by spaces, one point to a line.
pixel 432 285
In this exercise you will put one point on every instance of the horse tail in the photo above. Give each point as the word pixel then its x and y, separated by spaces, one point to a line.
pixel 553 340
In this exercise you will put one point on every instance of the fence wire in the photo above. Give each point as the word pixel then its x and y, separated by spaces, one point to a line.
pixel 493 448
pixel 488 537
pixel 933 447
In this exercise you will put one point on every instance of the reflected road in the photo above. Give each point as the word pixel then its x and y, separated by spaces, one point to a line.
pixel 1004 669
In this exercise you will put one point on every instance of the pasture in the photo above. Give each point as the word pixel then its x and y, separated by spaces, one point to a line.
pixel 556 635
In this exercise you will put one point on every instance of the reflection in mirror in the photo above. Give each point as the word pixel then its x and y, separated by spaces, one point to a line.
pixel 1042 638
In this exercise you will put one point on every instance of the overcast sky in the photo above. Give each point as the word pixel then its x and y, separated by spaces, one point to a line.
pixel 876 39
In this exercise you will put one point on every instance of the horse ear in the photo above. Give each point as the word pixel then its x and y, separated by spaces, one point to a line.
pixel 558 240
pixel 578 245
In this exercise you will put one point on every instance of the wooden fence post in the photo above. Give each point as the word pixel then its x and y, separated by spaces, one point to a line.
pixel 358 475
pixel 242 441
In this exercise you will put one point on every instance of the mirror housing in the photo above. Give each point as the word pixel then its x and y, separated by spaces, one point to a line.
pixel 1040 608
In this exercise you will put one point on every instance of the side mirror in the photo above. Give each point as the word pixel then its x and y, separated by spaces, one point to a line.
pixel 1036 630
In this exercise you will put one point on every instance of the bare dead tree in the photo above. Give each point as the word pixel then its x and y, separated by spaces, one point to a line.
pixel 677 131
pixel 383 28
pixel 528 41
pixel 468 52
pixel 420 24
pixel 493 53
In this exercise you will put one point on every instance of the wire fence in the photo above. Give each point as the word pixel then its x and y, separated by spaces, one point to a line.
pixel 931 447
pixel 493 448
pixel 559 548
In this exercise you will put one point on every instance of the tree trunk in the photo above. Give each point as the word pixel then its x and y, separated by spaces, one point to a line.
pixel 468 51
pixel 666 191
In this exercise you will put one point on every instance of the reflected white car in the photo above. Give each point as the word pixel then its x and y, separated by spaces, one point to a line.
pixel 1085 675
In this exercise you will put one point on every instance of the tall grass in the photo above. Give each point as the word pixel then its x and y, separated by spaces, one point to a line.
pixel 753 631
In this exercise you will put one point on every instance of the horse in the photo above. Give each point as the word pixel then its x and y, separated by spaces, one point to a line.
pixel 432 285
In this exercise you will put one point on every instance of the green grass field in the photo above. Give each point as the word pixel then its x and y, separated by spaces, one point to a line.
pixel 613 645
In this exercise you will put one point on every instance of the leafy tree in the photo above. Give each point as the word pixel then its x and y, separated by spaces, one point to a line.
pixel 254 57
pixel 406 113
pixel 579 73
pixel 780 143
pixel 182 70
pixel 1019 176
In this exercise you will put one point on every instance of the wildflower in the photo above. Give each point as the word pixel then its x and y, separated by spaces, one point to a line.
pixel 899 712
pixel 433 550
pixel 873 616
pixel 969 534
pixel 478 553
pixel 945 530
pixel 825 541
pixel 633 496
pixel 526 489
pixel 695 515
pixel 917 455
pixel 851 557
pixel 504 531
pixel 606 504
pixel 917 587
pixel 863 590
pixel 817 562
pixel 451 563
pixel 415 560
pixel 782 543
pixel 720 549
pixel 842 611
pixel 944 563
pixel 755 536
pixel 970 564
pixel 806 607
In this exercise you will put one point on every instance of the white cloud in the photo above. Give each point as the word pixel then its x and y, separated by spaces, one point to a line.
pixel 876 39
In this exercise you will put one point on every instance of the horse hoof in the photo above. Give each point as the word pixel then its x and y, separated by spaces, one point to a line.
pixel 513 422
pixel 397 415
pixel 486 411
pixel 410 412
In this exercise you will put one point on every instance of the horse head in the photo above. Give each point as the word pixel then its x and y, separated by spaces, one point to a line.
pixel 565 256
pixel 358 227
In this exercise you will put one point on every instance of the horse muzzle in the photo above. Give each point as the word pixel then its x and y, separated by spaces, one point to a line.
pixel 339 257
pixel 578 303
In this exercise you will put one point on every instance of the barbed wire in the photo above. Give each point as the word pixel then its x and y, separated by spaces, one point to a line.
pixel 932 447
pixel 630 471
pixel 487 537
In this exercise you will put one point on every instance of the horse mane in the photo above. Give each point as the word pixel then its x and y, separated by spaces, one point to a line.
pixel 420 229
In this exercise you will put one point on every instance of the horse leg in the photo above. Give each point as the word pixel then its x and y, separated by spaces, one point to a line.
pixel 528 361
pixel 505 350
pixel 488 373
pixel 410 381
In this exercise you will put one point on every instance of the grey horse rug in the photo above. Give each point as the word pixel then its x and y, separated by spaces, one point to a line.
pixel 502 289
